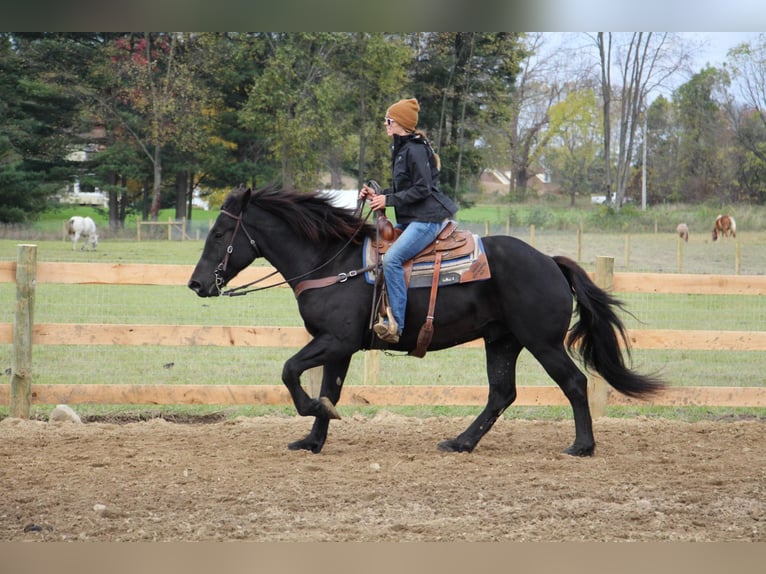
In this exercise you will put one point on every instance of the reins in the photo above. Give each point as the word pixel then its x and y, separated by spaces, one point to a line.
pixel 248 287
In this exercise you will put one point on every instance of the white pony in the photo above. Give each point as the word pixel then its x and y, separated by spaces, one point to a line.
pixel 83 227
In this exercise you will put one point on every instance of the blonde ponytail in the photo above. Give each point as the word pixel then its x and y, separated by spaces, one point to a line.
pixel 437 159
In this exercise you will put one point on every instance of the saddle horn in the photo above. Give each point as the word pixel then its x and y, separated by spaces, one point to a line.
pixel 385 228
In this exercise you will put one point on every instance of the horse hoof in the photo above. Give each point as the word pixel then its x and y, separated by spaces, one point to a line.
pixel 453 446
pixel 579 451
pixel 306 444
pixel 330 411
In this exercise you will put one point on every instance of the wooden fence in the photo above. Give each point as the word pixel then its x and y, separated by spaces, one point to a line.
pixel 26 272
pixel 173 225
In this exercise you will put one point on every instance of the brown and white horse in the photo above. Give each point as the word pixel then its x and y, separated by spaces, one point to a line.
pixel 683 231
pixel 725 226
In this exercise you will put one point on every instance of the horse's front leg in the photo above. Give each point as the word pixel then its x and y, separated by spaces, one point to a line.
pixel 333 376
pixel 318 352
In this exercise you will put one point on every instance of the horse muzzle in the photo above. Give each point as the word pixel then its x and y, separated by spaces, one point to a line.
pixel 203 291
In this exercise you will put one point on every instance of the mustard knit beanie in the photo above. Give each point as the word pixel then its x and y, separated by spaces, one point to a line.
pixel 405 113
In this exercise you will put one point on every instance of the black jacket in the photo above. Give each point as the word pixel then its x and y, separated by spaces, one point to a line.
pixel 415 195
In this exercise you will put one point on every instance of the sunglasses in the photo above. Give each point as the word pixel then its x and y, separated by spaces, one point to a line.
pixel 388 121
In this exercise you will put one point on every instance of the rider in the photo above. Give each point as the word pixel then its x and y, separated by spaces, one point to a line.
pixel 421 209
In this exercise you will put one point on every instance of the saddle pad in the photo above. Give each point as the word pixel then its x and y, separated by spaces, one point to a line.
pixel 462 269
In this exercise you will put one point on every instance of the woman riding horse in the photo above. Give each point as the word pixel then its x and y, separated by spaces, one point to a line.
pixel 527 303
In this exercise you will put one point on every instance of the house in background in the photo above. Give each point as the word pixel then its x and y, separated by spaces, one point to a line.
pixel 496 182
pixel 84 153
pixel 73 195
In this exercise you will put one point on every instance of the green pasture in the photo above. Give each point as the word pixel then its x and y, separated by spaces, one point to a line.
pixel 639 252
pixel 215 365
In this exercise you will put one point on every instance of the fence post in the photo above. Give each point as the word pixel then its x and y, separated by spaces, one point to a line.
pixel 579 243
pixel 372 367
pixel 21 363
pixel 597 387
pixel 680 255
pixel 313 384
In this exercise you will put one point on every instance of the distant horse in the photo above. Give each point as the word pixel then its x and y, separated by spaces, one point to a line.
pixel 725 226
pixel 526 303
pixel 683 231
pixel 83 227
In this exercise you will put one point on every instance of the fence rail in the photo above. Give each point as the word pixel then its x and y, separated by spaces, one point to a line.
pixel 26 272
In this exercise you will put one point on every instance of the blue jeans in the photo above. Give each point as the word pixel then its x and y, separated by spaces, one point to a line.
pixel 415 237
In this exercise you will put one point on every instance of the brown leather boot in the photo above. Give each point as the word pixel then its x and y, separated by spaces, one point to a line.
pixel 386 328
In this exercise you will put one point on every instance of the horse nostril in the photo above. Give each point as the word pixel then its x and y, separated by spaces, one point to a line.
pixel 194 285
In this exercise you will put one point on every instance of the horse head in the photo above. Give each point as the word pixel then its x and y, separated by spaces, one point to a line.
pixel 228 249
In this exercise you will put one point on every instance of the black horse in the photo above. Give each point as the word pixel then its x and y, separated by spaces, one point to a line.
pixel 527 303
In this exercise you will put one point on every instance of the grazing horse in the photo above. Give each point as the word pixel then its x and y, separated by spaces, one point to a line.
pixel 528 302
pixel 725 226
pixel 683 231
pixel 83 227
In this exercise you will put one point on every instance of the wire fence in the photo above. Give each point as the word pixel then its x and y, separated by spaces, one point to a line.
pixel 175 305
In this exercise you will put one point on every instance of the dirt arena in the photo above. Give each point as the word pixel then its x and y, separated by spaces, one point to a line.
pixel 381 479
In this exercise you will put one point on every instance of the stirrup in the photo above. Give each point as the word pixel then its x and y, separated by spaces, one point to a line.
pixel 386 328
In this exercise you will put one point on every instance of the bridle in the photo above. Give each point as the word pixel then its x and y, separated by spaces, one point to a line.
pixel 248 287
pixel 223 265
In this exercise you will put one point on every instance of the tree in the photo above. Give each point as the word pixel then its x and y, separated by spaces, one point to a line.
pixel 375 67
pixel 704 139
pixel 38 120
pixel 750 175
pixel 748 70
pixel 573 151
pixel 155 97
pixel 523 120
pixel 458 78
pixel 234 153
pixel 662 140
pixel 643 61
pixel 291 104
pixel 748 66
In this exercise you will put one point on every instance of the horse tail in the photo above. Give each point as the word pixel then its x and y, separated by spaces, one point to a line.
pixel 733 226
pixel 598 330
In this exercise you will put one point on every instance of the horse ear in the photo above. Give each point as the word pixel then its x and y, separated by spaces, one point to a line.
pixel 237 199
pixel 243 197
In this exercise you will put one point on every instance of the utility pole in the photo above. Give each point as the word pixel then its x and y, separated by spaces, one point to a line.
pixel 643 166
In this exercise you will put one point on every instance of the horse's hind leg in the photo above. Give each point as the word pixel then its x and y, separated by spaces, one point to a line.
pixel 559 365
pixel 333 375
pixel 501 371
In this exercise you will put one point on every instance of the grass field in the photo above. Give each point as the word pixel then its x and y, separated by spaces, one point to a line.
pixel 177 305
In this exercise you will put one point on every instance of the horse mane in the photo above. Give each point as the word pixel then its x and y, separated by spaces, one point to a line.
pixel 311 215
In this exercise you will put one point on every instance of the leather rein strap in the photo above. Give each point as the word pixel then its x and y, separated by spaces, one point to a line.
pixel 300 287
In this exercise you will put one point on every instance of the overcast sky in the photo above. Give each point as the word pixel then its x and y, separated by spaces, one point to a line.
pixel 716 44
